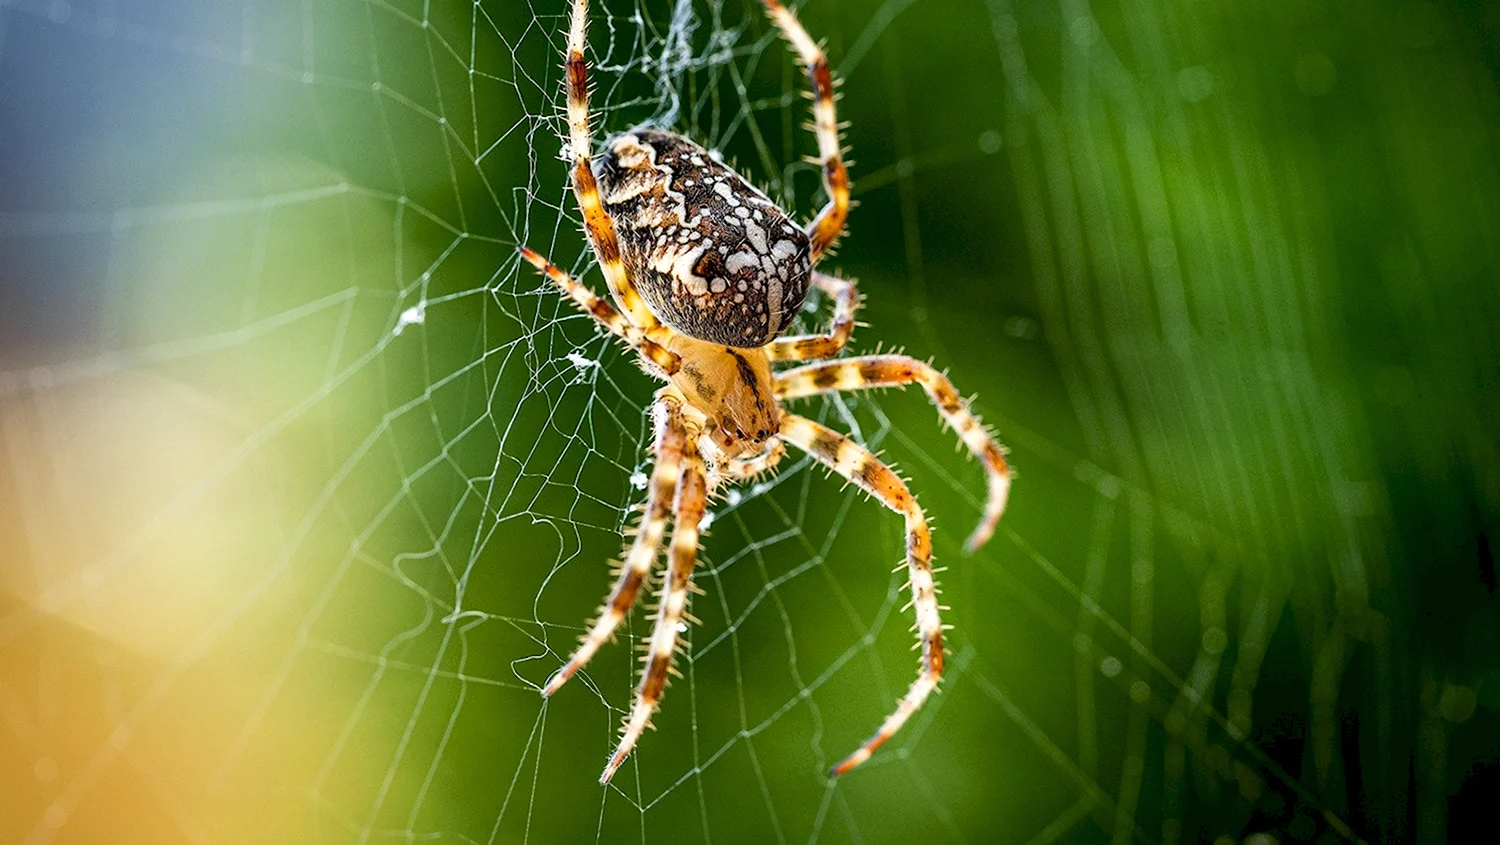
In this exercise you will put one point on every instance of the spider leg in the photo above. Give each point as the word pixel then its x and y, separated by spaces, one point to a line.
pixel 808 347
pixel 607 316
pixel 897 370
pixel 600 228
pixel 744 469
pixel 829 224
pixel 668 448
pixel 856 464
pixel 691 495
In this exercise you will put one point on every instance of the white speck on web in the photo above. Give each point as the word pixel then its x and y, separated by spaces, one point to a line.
pixel 732 498
pixel 410 317
pixel 638 480
pixel 708 519
pixel 582 363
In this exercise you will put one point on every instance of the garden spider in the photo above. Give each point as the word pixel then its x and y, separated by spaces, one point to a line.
pixel 705 272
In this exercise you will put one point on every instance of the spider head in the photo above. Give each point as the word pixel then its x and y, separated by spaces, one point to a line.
pixel 736 442
pixel 732 387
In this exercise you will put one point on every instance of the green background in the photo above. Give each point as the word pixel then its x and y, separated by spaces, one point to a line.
pixel 1225 277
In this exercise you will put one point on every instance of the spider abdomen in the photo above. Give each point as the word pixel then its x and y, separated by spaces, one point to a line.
pixel 713 257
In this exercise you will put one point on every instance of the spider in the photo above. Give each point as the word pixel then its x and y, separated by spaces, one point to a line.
pixel 705 272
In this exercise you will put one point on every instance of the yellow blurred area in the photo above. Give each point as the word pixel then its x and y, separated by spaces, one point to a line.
pixel 152 505
pixel 131 564
pixel 122 543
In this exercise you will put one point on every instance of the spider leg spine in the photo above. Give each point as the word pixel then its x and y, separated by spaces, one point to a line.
pixel 597 223
pixel 605 314
pixel 671 440
pixel 846 301
pixel 889 370
pixel 856 463
pixel 752 469
pixel 825 228
pixel 688 508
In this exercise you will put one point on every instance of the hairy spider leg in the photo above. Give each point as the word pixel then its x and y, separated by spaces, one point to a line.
pixel 809 347
pixel 600 228
pixel 855 463
pixel 746 469
pixel 607 316
pixel 826 228
pixel 671 438
pixel 672 612
pixel 899 370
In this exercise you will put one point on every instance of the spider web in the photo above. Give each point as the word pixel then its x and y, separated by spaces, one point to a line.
pixel 308 486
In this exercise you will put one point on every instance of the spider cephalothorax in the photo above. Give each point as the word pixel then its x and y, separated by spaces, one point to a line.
pixel 706 272
pixel 734 387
